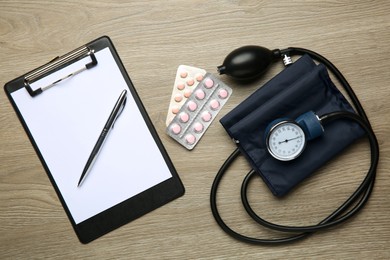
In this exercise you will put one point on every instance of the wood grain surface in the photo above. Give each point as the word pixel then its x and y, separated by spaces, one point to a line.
pixel 153 38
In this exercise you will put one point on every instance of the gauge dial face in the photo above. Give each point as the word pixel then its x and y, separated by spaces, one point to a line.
pixel 286 141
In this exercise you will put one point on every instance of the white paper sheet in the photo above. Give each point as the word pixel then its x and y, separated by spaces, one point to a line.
pixel 65 122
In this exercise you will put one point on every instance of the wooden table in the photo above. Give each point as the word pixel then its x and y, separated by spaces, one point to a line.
pixel 153 38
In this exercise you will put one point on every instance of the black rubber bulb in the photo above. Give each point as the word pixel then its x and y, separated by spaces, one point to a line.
pixel 248 62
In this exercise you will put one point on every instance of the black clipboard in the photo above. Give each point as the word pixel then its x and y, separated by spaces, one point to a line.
pixel 134 174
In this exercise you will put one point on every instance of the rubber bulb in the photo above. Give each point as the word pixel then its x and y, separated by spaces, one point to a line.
pixel 248 62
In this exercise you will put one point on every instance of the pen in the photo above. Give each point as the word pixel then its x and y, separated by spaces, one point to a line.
pixel 116 111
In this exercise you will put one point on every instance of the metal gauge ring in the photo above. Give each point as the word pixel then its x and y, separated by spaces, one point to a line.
pixel 286 140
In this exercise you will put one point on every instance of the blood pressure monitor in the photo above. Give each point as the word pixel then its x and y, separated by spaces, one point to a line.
pixel 273 144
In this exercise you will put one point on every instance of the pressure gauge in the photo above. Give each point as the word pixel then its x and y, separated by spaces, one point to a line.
pixel 285 140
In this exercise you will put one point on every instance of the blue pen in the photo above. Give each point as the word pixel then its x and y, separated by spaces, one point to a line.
pixel 116 111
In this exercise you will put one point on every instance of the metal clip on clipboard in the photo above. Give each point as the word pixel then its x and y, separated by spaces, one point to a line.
pixel 57 64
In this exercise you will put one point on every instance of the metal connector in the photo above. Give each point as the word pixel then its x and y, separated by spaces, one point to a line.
pixel 287 60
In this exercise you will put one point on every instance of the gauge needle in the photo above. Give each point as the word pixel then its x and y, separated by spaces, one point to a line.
pixel 286 141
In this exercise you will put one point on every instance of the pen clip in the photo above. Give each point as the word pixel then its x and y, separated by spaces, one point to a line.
pixel 120 112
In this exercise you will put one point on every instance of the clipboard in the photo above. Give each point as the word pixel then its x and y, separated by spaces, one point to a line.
pixel 63 106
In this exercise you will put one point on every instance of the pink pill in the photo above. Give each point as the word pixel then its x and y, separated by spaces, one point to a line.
pixel 199 77
pixel 206 116
pixel 198 127
pixel 190 82
pixel 200 94
pixel 184 117
pixel 190 139
pixel 178 97
pixel 223 93
pixel 180 86
pixel 209 83
pixel 214 104
pixel 192 106
pixel 183 74
pixel 175 109
pixel 175 128
pixel 187 93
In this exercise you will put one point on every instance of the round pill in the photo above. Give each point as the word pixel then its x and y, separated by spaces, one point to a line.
pixel 190 138
pixel 206 116
pixel 200 94
pixel 192 106
pixel 209 83
pixel 214 104
pixel 190 82
pixel 178 97
pixel 180 86
pixel 223 93
pixel 175 128
pixel 175 109
pixel 199 77
pixel 187 93
pixel 184 117
pixel 198 127
pixel 183 74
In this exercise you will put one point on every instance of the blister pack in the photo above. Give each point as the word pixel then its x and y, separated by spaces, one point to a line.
pixel 187 79
pixel 197 113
